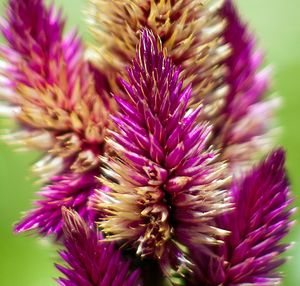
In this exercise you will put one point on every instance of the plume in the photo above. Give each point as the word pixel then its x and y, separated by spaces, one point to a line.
pixel 89 260
pixel 169 187
pixel 190 31
pixel 244 129
pixel 260 220
pixel 49 90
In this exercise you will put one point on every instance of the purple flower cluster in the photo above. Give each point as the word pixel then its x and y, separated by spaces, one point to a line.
pixel 169 186
pixel 158 166
pixel 257 224
pixel 90 261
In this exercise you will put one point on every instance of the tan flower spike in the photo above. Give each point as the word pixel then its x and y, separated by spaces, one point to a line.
pixel 190 32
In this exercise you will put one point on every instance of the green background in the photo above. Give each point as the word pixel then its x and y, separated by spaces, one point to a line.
pixel 29 261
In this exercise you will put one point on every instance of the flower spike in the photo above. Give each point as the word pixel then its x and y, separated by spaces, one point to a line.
pixel 190 31
pixel 169 187
pixel 49 89
pixel 261 218
pixel 90 261
pixel 243 128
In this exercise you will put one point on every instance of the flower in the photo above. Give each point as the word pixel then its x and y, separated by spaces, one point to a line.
pixel 168 186
pixel 91 262
pixel 217 55
pixel 251 254
pixel 190 31
pixel 242 130
pixel 50 91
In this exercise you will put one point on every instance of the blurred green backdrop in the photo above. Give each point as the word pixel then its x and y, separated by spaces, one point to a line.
pixel 29 261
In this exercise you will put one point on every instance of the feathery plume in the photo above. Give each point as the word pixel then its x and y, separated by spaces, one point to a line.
pixel 261 218
pixel 217 54
pixel 191 32
pixel 49 90
pixel 51 93
pixel 90 261
pixel 243 128
pixel 168 187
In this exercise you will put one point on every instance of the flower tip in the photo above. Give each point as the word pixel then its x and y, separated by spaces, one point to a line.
pixel 279 153
pixel 147 34
pixel 149 44
pixel 18 228
pixel 73 223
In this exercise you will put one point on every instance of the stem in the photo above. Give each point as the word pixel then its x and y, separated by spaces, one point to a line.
pixel 151 273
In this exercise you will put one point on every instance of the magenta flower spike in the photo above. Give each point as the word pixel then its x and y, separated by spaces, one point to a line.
pixel 89 261
pixel 244 128
pixel 50 91
pixel 169 186
pixel 250 255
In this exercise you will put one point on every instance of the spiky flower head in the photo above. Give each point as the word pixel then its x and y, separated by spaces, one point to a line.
pixel 243 129
pixel 168 186
pixel 90 261
pixel 218 57
pixel 250 255
pixel 49 89
pixel 191 32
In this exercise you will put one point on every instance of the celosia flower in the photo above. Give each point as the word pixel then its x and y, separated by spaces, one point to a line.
pixel 91 262
pixel 199 38
pixel 242 129
pixel 50 91
pixel 191 32
pixel 169 188
pixel 251 254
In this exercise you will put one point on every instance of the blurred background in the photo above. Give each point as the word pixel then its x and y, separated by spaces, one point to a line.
pixel 29 261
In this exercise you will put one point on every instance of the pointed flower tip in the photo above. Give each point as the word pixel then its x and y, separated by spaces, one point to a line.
pixel 73 223
pixel 275 165
pixel 89 260
pixel 278 155
pixel 149 41
pixel 64 192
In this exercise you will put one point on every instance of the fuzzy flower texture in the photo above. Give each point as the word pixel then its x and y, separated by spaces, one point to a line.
pixel 158 164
